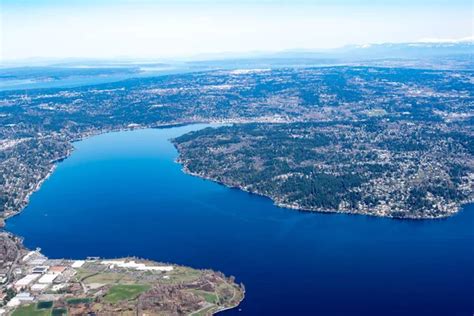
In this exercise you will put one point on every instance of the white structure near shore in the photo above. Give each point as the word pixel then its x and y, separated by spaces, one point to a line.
pixel 134 265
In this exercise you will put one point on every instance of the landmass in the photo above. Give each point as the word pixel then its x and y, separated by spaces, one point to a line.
pixel 376 167
pixel 38 127
pixel 32 284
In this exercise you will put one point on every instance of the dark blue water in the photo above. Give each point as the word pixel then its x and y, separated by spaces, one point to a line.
pixel 121 194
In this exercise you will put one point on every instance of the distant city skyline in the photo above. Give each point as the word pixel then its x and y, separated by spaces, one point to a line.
pixel 185 28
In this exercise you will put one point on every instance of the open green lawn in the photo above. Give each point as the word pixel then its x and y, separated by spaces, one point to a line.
pixel 183 275
pixel 208 296
pixel 106 278
pixel 125 292
pixel 31 310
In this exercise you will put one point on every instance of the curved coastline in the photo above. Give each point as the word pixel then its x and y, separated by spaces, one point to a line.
pixel 70 151
pixel 24 203
pixel 290 217
pixel 296 207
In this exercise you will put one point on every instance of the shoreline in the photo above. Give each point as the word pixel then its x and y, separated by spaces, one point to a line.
pixel 186 170
pixel 26 200
pixel 297 208
pixel 91 133
pixel 54 164
pixel 232 307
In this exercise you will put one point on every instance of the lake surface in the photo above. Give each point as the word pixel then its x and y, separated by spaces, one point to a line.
pixel 122 194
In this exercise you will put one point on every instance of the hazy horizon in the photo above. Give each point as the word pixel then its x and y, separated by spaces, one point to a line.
pixel 167 29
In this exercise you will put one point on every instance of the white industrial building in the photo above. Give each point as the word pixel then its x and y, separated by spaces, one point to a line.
pixel 48 278
pixel 37 287
pixel 78 264
pixel 134 265
pixel 26 281
pixel 23 297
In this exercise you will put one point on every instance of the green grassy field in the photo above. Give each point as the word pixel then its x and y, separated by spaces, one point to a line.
pixel 208 296
pixel 106 278
pixel 183 275
pixel 125 292
pixel 31 310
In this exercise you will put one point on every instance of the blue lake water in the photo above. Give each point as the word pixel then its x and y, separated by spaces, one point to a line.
pixel 122 194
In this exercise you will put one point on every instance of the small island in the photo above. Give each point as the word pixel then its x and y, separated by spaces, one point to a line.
pixel 32 284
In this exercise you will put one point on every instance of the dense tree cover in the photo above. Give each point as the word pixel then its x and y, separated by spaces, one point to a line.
pixel 375 167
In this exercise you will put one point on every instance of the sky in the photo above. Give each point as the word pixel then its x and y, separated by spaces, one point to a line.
pixel 186 28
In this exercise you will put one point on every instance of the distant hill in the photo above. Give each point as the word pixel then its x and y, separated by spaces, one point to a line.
pixel 454 54
pixel 428 54
pixel 394 50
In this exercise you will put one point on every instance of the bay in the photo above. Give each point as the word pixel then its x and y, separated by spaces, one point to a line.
pixel 122 194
